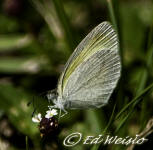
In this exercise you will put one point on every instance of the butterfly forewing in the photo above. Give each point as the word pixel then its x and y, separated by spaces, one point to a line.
pixel 92 71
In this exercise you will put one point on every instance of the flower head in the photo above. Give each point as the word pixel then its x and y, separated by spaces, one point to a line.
pixel 37 118
pixel 50 113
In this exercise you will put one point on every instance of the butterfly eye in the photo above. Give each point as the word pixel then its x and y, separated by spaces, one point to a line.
pixel 50 96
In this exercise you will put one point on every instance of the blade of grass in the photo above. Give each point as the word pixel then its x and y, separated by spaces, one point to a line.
pixel 13 42
pixel 123 121
pixel 49 18
pixel 139 94
pixel 47 10
pixel 145 75
pixel 27 145
pixel 150 57
pixel 95 147
pixel 112 15
pixel 114 12
pixel 20 65
pixel 114 20
pixel 134 100
pixel 69 34
pixel 150 37
pixel 110 120
pixel 54 14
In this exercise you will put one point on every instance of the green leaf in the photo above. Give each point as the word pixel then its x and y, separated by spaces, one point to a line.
pixel 10 42
pixel 18 65
pixel 14 103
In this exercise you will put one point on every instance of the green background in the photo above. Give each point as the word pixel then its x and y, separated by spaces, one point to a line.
pixel 36 39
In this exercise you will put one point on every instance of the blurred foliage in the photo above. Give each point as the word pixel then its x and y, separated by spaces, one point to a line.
pixel 36 39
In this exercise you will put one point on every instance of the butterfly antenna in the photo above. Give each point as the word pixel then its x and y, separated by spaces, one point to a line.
pixel 30 102
pixel 33 112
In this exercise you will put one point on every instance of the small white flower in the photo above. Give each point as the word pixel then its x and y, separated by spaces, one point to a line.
pixel 37 118
pixel 50 113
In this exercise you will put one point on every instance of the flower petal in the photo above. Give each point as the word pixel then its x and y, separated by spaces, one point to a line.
pixel 50 113
pixel 37 118
pixel 47 116
pixel 54 111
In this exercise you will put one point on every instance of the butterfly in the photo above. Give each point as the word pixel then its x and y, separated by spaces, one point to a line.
pixel 91 73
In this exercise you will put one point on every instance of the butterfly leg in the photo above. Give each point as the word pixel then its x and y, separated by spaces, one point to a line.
pixel 65 112
pixel 54 106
